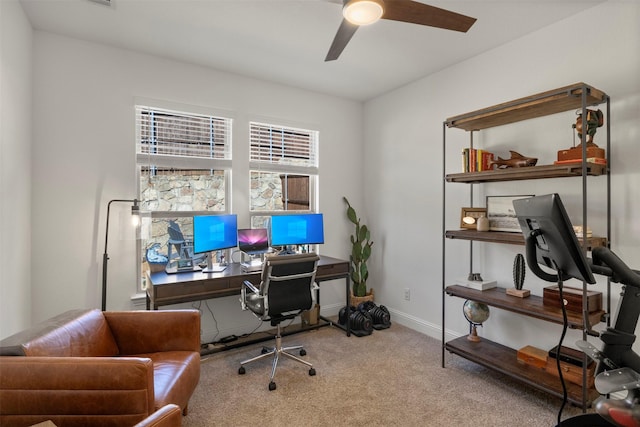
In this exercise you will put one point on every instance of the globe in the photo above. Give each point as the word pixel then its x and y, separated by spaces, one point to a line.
pixel 476 313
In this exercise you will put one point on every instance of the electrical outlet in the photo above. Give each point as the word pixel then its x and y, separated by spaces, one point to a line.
pixel 407 294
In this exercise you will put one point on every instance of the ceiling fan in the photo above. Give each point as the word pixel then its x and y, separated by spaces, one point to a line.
pixel 365 12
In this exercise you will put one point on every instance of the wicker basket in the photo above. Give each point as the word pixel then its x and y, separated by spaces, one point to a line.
pixel 354 300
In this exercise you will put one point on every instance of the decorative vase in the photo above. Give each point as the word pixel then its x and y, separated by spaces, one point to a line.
pixel 483 224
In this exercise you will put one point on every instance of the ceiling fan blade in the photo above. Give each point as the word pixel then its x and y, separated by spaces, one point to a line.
pixel 423 14
pixel 344 34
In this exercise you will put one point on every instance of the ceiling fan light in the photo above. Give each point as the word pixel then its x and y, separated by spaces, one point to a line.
pixel 363 12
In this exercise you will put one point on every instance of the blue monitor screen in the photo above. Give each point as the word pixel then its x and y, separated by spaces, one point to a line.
pixel 253 240
pixel 214 232
pixel 302 229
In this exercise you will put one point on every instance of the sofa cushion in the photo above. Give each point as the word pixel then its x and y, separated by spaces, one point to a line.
pixel 75 391
pixel 75 333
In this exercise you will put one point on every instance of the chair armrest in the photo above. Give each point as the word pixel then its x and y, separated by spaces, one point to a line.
pixel 64 388
pixel 167 416
pixel 243 293
pixel 139 332
pixel 250 285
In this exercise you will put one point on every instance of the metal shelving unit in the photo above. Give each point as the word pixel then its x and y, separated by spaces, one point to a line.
pixel 487 353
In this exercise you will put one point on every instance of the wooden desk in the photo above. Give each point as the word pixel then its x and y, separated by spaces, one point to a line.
pixel 166 289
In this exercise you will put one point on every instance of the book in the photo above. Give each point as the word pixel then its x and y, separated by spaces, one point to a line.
pixel 476 160
pixel 465 160
pixel 479 285
pixel 487 158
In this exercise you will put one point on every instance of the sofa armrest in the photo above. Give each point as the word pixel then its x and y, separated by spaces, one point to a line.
pixel 139 332
pixel 84 389
pixel 167 416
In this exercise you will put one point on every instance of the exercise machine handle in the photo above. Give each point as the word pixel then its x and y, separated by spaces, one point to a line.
pixel 532 261
pixel 613 267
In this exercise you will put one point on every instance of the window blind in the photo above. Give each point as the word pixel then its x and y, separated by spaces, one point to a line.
pixel 290 148
pixel 175 133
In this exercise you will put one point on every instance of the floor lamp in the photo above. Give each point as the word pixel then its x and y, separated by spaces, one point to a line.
pixel 135 211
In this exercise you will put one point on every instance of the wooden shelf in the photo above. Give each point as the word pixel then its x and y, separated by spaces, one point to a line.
pixel 486 236
pixel 509 238
pixel 530 172
pixel 495 356
pixel 504 360
pixel 531 306
pixel 539 105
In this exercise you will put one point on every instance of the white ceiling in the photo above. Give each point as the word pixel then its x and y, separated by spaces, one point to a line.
pixel 285 41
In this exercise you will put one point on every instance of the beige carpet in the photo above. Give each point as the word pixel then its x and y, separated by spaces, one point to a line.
pixel 390 378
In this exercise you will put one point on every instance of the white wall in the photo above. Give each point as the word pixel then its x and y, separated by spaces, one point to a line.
pixel 15 168
pixel 84 156
pixel 403 174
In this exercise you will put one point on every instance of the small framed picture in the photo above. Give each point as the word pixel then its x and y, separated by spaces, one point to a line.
pixel 502 215
pixel 469 217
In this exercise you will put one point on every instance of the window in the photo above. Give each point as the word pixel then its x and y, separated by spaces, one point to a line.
pixel 184 167
pixel 284 170
pixel 284 147
pixel 174 133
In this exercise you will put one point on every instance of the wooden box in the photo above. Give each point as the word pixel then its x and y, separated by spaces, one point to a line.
pixel 569 355
pixel 573 298
pixel 570 372
pixel 533 356
pixel 576 153
pixel 310 317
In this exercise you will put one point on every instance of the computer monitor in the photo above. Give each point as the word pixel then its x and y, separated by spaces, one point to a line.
pixel 253 240
pixel 550 239
pixel 214 232
pixel 299 229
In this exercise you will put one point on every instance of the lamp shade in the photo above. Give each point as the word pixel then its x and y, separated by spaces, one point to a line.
pixel 363 12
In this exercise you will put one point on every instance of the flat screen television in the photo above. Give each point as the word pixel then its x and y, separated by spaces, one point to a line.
pixel 550 239
pixel 299 229
pixel 253 240
pixel 214 232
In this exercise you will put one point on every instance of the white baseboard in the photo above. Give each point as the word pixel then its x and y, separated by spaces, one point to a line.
pixel 430 329
pixel 415 323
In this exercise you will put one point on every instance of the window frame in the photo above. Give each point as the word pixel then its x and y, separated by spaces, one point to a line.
pixel 312 170
pixel 224 164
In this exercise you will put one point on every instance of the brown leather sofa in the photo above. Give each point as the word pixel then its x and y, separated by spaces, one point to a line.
pixel 94 368
pixel 167 416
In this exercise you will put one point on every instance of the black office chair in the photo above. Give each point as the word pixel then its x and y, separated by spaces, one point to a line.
pixel 286 288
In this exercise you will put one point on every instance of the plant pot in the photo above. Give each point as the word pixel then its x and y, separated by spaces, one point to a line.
pixel 354 300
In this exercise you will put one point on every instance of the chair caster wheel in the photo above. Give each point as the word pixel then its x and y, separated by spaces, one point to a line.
pixel 272 386
pixel 241 371
pixel 264 350
pixel 312 372
pixel 303 352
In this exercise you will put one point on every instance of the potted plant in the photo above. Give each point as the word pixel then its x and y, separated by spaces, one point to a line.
pixel 360 252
